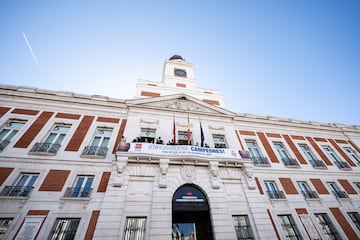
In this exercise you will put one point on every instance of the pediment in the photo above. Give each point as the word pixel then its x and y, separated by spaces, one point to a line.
pixel 179 102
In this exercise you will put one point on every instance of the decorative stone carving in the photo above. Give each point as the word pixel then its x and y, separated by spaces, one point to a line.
pixel 188 173
pixel 217 128
pixel 182 104
pixel 179 124
pixel 164 166
pixel 155 122
pixel 141 171
pixel 120 165
pixel 214 170
pixel 248 167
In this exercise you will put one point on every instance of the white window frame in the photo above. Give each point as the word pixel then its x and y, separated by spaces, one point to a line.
pixel 135 228
pixel 336 190
pixel 355 218
pixel 273 190
pixel 11 127
pixel 281 150
pixel 58 132
pixel 330 153
pixel 307 151
pixel 104 134
pixel 327 226
pixel 352 154
pixel 219 140
pixel 254 149
pixel 242 227
pixel 61 227
pixel 22 186
pixel 289 227
pixel 4 226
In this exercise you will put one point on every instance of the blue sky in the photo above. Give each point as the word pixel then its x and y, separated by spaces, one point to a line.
pixel 292 59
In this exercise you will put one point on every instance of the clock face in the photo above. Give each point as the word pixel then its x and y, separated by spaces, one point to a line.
pixel 180 72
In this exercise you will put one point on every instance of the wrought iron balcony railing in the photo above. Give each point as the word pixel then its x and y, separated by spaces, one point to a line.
pixel 50 148
pixel 317 163
pixel 16 191
pixel 310 194
pixel 276 194
pixel 342 165
pixel 74 192
pixel 95 151
pixel 290 162
pixel 3 144
pixel 260 161
pixel 340 194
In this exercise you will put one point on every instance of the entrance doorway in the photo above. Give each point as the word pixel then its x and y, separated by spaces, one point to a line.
pixel 190 214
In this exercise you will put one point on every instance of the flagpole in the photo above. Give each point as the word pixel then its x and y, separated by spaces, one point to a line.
pixel 202 137
pixel 174 130
pixel 188 133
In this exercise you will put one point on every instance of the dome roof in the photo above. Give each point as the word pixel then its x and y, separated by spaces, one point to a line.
pixel 176 57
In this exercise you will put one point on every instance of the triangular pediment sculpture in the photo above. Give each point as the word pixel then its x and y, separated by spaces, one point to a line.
pixel 179 102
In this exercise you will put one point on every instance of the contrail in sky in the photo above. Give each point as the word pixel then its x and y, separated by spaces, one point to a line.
pixel 31 51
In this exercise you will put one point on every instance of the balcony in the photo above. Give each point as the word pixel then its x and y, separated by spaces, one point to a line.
pixel 317 163
pixel 276 194
pixel 340 194
pixel 95 151
pixel 45 148
pixel 310 194
pixel 3 144
pixel 74 192
pixel 342 165
pixel 16 191
pixel 260 161
pixel 290 162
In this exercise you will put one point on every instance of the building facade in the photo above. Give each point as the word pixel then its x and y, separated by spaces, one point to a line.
pixel 172 163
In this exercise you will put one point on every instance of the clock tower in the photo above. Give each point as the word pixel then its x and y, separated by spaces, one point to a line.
pixel 178 73
pixel 177 77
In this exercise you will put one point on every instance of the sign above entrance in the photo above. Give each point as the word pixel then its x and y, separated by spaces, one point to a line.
pixel 178 150
pixel 189 193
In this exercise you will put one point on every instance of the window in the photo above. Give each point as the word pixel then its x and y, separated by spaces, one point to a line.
pixel 64 228
pixel 4 225
pixel 179 72
pixel 242 227
pixel 82 187
pixel 352 154
pixel 53 141
pixel 309 155
pixel 355 217
pixel 326 226
pixel 22 187
pixel 219 141
pixel 147 135
pixel 135 228
pixel 306 190
pixel 255 153
pixel 357 184
pixel 289 227
pixel 336 190
pixel 273 190
pixel 9 130
pixel 183 138
pixel 334 158
pixel 99 144
pixel 284 155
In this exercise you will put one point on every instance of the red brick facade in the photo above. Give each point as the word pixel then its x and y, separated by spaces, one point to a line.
pixel 33 130
pixel 54 181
